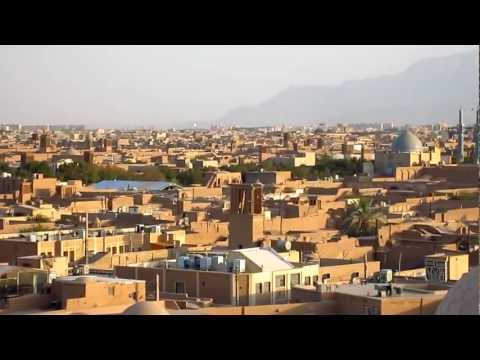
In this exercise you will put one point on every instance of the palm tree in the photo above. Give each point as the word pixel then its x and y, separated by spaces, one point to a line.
pixel 362 218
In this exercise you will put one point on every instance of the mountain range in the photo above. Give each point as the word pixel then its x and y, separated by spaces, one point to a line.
pixel 429 91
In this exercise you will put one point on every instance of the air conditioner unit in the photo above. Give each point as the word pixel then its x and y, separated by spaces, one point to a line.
pixel 386 275
pixel 238 265
pixel 217 262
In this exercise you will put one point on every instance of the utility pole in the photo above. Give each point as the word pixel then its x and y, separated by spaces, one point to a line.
pixel 237 296
pixel 365 266
pixel 85 270
pixel 34 284
pixel 18 283
pixel 400 262
pixel 460 146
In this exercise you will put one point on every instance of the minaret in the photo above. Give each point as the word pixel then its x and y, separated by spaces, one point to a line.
pixel 477 146
pixel 460 145
pixel 477 125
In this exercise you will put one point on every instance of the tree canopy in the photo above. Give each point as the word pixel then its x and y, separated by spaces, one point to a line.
pixel 362 218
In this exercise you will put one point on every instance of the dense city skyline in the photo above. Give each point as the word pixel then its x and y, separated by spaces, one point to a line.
pixel 317 201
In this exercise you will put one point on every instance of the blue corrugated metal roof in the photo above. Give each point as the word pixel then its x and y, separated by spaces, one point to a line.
pixel 129 185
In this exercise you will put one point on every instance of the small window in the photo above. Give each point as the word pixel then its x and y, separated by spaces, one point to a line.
pixel 294 279
pixel 308 280
pixel 111 291
pixel 280 281
pixel 180 287
pixel 315 279
pixel 325 277
pixel 267 287
pixel 259 288
pixel 65 253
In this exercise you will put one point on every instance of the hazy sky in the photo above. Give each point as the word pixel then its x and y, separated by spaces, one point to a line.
pixel 166 86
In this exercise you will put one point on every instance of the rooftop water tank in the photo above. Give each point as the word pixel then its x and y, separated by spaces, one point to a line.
pixel 205 263
pixel 182 262
pixel 196 260
pixel 283 245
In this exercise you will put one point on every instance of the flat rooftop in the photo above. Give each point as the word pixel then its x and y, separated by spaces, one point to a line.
pixel 82 279
pixel 39 239
pixel 408 290
pixel 9 268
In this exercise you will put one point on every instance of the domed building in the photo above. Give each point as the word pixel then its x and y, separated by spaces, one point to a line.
pixel 147 308
pixel 406 151
pixel 162 307
pixel 463 298
pixel 407 142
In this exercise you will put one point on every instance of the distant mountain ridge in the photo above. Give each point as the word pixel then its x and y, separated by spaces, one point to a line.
pixel 429 91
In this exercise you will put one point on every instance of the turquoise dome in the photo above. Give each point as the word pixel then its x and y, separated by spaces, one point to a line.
pixel 407 142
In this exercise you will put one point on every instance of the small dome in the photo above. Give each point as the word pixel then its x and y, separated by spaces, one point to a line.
pixel 147 308
pixel 407 142
pixel 463 297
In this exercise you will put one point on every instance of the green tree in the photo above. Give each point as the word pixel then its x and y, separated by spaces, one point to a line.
pixel 362 218
pixel 40 218
pixel 35 228
pixel 303 172
pixel 4 167
pixel 39 167
pixel 191 176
